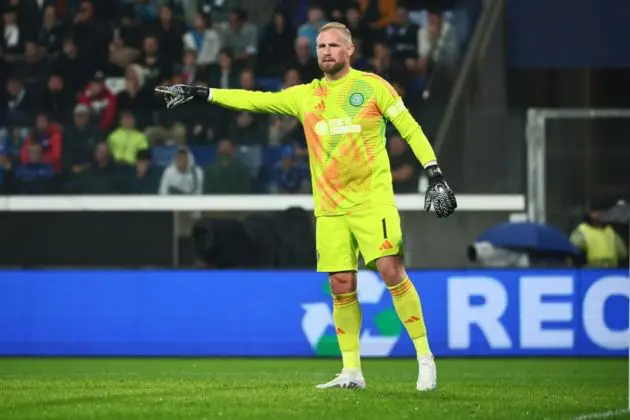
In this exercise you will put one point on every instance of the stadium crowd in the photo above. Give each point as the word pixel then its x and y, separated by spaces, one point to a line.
pixel 78 113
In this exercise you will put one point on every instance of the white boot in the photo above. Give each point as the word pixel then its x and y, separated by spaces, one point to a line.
pixel 348 378
pixel 427 373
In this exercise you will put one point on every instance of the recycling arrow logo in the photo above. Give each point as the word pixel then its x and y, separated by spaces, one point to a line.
pixel 380 333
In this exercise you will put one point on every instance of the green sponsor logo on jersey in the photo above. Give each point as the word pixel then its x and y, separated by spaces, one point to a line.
pixel 356 99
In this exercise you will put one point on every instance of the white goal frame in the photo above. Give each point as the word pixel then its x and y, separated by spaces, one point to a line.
pixel 536 139
pixel 536 177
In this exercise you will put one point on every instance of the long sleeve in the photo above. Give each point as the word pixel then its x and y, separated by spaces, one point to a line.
pixel 165 181
pixel 285 102
pixel 200 181
pixel 393 108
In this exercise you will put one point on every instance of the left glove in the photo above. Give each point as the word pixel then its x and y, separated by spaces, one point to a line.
pixel 176 95
pixel 439 195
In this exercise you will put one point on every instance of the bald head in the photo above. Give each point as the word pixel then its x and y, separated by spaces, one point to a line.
pixel 334 49
pixel 342 30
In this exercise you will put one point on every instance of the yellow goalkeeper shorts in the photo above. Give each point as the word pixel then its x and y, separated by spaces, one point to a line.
pixel 373 232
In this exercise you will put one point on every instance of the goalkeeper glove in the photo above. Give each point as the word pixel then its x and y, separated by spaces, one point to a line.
pixel 176 95
pixel 439 195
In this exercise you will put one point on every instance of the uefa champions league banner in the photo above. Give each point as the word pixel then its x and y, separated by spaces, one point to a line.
pixel 289 313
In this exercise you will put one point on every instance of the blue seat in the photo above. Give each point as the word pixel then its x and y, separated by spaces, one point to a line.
pixel 163 155
pixel 204 155
pixel 251 156
pixel 271 156
pixel 271 84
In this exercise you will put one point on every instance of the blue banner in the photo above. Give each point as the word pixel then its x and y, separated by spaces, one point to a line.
pixel 288 313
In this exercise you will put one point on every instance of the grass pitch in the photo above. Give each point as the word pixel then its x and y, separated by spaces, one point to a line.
pixel 283 389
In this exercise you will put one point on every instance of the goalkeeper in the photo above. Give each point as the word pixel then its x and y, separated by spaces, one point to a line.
pixel 344 116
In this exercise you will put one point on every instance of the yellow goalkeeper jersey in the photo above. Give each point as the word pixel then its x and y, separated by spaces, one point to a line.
pixel 344 123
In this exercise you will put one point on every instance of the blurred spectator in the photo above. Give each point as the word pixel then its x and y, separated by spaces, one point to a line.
pixel 32 70
pixel 124 47
pixel 382 64
pixel 190 70
pixel 404 166
pixel 6 171
pixel 136 96
pixel 12 138
pixel 275 44
pixel 146 10
pixel 156 66
pixel 77 68
pixel 13 39
pixel 35 175
pixel 304 62
pixel 240 36
pixel 49 137
pixel 169 33
pixel 357 59
pixel 20 103
pixel 100 100
pixel 437 42
pixel 223 75
pixel 144 178
pixel 91 34
pixel 183 176
pixel 125 142
pixel 248 127
pixel 227 174
pixel 51 33
pixel 402 35
pixel 80 140
pixel 284 129
pixel 335 9
pixel 602 246
pixel 308 30
pixel 57 100
pixel 361 31
pixel 102 177
pixel 204 40
pixel 377 13
pixel 289 176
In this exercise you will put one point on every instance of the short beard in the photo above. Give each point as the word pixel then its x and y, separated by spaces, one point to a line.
pixel 334 69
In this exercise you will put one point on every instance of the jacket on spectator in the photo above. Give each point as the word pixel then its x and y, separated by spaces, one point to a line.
pixel 175 182
pixel 207 45
pixel 125 143
pixel 103 105
pixel 51 141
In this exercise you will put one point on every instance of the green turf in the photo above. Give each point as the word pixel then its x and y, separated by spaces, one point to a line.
pixel 265 389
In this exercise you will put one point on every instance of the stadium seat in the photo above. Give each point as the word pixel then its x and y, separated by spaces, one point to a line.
pixel 163 155
pixel 204 155
pixel 251 156
pixel 271 84
pixel 271 157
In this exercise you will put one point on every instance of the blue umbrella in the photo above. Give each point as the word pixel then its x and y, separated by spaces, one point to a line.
pixel 530 237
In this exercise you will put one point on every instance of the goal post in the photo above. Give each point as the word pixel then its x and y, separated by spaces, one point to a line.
pixel 575 157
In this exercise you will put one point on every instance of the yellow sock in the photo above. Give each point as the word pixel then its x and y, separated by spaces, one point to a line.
pixel 347 317
pixel 409 310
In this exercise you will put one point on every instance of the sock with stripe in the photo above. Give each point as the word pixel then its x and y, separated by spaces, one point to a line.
pixel 347 318
pixel 409 310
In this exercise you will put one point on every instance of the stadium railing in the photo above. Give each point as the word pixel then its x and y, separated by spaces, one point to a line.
pixel 141 231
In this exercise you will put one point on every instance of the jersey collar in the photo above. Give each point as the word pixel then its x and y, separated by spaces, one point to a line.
pixel 340 81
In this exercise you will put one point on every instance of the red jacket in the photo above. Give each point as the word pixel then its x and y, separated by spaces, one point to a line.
pixel 51 141
pixel 104 105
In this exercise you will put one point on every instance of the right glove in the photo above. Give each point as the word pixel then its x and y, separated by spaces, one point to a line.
pixel 176 95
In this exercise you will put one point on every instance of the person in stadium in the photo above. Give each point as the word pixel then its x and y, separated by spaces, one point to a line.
pixel 344 116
